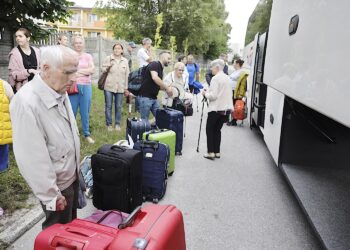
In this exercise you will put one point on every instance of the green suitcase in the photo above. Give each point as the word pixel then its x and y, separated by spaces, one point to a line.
pixel 165 136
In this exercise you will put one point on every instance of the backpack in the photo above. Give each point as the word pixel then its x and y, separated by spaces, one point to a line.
pixel 195 66
pixel 135 80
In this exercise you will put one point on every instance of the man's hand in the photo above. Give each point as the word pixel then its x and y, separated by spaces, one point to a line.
pixel 169 91
pixel 204 92
pixel 61 203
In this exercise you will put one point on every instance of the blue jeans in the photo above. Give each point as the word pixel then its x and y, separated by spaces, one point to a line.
pixel 118 100
pixel 4 157
pixel 147 105
pixel 82 100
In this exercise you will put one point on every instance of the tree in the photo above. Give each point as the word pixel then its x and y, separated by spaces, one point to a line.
pixel 199 28
pixel 32 14
pixel 158 36
pixel 173 46
pixel 259 20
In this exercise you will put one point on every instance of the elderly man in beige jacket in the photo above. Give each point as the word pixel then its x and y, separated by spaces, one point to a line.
pixel 220 105
pixel 45 135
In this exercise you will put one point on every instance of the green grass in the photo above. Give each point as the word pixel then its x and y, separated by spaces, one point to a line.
pixel 14 190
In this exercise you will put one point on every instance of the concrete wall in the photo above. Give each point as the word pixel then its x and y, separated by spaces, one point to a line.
pixel 98 47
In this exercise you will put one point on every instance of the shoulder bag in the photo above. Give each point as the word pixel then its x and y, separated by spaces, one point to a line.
pixel 102 80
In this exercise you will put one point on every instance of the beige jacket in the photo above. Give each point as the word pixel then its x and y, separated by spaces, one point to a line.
pixel 220 93
pixel 117 79
pixel 45 139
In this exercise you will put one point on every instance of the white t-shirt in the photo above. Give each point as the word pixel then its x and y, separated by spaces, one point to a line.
pixel 234 78
pixel 142 56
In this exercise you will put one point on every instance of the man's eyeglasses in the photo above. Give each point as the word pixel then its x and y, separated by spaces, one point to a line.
pixel 181 70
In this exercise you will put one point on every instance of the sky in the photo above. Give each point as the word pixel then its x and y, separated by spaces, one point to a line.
pixel 239 13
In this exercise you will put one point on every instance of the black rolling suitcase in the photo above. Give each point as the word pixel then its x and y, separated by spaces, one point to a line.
pixel 117 176
pixel 136 127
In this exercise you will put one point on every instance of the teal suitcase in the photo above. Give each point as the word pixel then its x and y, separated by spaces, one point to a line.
pixel 167 137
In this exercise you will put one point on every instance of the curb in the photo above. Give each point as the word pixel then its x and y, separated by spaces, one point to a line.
pixel 22 225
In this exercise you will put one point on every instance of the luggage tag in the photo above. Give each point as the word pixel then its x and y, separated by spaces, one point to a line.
pixel 148 155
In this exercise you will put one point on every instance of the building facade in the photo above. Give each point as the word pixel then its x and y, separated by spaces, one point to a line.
pixel 86 23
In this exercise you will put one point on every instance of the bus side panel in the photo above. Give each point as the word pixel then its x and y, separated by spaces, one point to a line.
pixel 273 121
pixel 249 56
pixel 311 66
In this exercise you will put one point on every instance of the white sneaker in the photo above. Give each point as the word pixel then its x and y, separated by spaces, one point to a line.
pixel 90 140
pixel 210 156
pixel 117 127
pixel 109 128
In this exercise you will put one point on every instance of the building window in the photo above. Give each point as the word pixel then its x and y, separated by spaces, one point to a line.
pixel 93 34
pixel 92 18
pixel 75 18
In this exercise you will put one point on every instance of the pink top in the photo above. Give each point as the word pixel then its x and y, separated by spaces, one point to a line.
pixel 85 61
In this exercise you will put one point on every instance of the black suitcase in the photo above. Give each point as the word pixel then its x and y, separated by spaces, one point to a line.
pixel 136 127
pixel 156 158
pixel 117 176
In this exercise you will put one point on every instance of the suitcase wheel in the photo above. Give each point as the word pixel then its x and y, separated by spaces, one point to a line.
pixel 178 153
pixel 144 198
pixel 155 200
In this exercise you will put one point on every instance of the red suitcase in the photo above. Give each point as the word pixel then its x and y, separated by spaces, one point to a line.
pixel 157 227
pixel 152 227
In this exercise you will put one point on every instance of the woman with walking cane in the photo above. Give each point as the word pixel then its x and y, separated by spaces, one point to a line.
pixel 219 96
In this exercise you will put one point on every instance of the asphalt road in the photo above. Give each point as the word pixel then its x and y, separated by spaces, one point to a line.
pixel 240 201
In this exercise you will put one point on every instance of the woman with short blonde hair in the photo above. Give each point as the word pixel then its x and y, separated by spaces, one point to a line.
pixel 82 99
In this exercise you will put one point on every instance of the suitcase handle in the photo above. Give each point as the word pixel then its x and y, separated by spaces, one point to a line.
pixel 153 131
pixel 149 144
pixel 67 243
pixel 116 147
pixel 107 214
pixel 130 220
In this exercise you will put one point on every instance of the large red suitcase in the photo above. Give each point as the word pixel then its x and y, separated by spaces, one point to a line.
pixel 157 227
pixel 150 228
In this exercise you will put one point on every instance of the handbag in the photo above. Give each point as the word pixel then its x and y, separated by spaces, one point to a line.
pixel 179 105
pixel 102 80
pixel 73 89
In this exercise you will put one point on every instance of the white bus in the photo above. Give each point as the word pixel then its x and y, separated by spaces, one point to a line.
pixel 298 96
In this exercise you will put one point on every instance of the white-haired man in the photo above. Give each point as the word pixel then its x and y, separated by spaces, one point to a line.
pixel 45 135
pixel 220 105
pixel 144 53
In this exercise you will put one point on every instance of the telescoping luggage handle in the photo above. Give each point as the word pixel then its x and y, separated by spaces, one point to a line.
pixel 149 144
pixel 126 221
pixel 130 219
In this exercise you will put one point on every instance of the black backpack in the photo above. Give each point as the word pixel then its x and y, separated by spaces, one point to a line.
pixel 135 80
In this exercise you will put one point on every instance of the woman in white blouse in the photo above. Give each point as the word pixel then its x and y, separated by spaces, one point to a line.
pixel 177 81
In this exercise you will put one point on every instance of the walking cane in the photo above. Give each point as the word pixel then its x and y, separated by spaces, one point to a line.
pixel 197 102
pixel 200 125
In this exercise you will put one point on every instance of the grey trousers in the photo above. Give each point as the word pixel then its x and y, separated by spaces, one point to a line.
pixel 70 212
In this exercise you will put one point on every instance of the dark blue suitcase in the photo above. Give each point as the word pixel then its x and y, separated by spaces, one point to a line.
pixel 136 127
pixel 172 119
pixel 155 169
